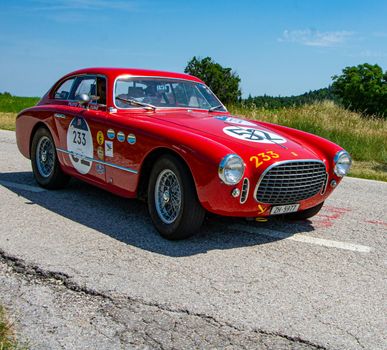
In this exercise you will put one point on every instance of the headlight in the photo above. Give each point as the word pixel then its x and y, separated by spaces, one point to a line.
pixel 343 163
pixel 231 169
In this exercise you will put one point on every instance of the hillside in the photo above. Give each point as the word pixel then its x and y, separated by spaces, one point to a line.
pixel 276 102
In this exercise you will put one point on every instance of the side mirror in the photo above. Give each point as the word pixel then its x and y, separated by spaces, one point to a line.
pixel 83 99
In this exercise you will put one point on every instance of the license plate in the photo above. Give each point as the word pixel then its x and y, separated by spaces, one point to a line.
pixel 284 209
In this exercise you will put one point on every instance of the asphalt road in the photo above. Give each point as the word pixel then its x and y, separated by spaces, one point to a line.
pixel 83 269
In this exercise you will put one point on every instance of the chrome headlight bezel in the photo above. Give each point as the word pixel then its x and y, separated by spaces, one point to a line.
pixel 231 160
pixel 343 162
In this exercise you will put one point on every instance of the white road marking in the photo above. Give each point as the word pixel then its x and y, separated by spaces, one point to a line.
pixel 21 186
pixel 305 239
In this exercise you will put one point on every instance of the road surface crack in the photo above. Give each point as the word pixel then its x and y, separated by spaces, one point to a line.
pixel 30 272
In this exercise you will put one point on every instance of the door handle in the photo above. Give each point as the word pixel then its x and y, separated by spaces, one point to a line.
pixel 59 115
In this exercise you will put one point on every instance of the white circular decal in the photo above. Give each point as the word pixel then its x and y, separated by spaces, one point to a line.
pixel 253 135
pixel 80 143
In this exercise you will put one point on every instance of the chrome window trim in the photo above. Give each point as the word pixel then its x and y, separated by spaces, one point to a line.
pixel 97 160
pixel 75 76
pixel 279 163
pixel 129 76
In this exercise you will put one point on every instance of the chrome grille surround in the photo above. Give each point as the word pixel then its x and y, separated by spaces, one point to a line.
pixel 291 181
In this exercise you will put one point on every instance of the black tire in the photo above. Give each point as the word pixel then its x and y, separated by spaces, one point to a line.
pixel 54 179
pixel 305 214
pixel 190 215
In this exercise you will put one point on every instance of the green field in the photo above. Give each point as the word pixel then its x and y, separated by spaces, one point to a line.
pixel 14 104
pixel 364 138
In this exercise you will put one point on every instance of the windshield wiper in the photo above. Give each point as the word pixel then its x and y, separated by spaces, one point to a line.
pixel 213 109
pixel 136 103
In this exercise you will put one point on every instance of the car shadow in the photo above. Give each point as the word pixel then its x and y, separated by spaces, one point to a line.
pixel 127 220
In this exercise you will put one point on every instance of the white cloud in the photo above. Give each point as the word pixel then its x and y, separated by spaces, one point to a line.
pixel 310 37
pixel 45 5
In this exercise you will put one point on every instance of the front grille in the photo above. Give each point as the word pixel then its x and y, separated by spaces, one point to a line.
pixel 291 182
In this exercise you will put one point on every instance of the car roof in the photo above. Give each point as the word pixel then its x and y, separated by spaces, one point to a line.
pixel 115 72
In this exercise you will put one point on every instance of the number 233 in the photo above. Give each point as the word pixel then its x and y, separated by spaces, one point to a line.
pixel 260 158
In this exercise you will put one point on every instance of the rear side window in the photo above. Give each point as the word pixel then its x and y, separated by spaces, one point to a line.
pixel 63 92
pixel 86 86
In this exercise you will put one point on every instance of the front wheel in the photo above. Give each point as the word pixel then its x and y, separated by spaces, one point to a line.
pixel 172 200
pixel 44 161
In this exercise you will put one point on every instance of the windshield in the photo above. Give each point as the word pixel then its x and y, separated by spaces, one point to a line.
pixel 164 92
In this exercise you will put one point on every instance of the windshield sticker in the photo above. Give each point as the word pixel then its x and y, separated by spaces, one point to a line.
pixel 253 135
pixel 80 144
pixel 232 120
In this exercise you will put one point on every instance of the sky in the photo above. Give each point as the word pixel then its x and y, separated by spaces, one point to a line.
pixel 279 48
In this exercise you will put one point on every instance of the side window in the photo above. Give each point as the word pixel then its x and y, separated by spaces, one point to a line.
pixel 63 92
pixel 86 86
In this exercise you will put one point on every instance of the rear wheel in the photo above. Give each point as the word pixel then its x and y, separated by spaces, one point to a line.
pixel 44 161
pixel 172 200
pixel 305 214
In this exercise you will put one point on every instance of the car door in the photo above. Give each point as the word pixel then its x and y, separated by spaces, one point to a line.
pixel 81 129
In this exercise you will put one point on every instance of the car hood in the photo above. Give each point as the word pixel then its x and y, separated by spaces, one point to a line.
pixel 243 136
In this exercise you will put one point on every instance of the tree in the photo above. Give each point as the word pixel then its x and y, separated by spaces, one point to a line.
pixel 222 81
pixel 363 88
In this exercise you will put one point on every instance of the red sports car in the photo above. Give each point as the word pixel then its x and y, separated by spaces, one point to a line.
pixel 165 137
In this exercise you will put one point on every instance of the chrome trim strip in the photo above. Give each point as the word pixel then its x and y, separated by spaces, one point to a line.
pixel 326 184
pixel 278 163
pixel 97 161
pixel 246 191
pixel 59 115
pixel 129 76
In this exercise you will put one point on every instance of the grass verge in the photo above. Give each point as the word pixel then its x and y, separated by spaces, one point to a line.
pixel 7 335
pixel 7 122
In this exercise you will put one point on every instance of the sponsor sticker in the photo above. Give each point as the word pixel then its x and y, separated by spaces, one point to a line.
pixel 131 139
pixel 100 168
pixel 80 143
pixel 253 135
pixel 100 137
pixel 109 148
pixel 111 134
pixel 120 136
pixel 233 120
pixel 100 152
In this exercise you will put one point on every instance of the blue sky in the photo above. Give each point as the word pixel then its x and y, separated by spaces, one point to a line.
pixel 277 47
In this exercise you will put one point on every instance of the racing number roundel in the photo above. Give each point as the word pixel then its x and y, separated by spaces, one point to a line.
pixel 80 144
pixel 253 134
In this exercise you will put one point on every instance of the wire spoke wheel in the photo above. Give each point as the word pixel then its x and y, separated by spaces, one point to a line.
pixel 45 156
pixel 168 196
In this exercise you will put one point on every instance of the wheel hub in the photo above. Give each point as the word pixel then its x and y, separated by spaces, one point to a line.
pixel 166 196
